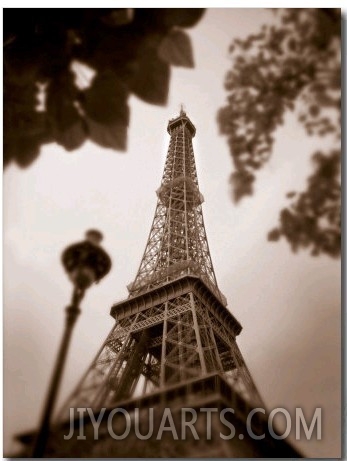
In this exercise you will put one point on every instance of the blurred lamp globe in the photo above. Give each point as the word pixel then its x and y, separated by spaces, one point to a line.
pixel 86 262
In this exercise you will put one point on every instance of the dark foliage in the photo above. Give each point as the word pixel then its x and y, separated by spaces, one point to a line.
pixel 294 65
pixel 130 51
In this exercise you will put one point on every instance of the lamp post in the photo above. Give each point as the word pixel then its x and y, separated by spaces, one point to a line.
pixel 85 263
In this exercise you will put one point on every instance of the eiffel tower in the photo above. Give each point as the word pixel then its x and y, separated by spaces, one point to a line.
pixel 174 340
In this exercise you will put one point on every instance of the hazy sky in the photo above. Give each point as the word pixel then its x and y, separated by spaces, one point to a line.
pixel 289 305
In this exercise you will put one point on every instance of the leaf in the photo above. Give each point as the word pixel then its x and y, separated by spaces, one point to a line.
pixel 73 137
pixel 183 17
pixel 29 154
pixel 24 128
pixel 61 103
pixel 108 135
pixel 273 235
pixel 176 49
pixel 242 184
pixel 150 81
pixel 112 48
pixel 24 57
pixel 24 151
pixel 106 100
pixel 118 17
pixel 67 126
pixel 290 194
pixel 314 110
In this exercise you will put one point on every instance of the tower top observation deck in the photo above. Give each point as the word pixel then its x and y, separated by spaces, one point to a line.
pixel 181 119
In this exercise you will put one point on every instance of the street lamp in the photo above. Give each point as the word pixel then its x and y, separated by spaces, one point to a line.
pixel 85 263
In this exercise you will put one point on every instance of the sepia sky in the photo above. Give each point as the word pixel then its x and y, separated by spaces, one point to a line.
pixel 288 305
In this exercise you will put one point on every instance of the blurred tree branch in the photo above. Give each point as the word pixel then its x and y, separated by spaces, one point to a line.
pixel 294 65
pixel 127 50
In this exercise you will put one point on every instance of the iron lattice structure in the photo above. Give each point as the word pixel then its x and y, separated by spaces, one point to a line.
pixel 174 326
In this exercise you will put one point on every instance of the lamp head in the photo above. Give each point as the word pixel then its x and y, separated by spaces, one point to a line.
pixel 86 262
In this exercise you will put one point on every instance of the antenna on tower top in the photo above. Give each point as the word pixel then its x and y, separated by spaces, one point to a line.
pixel 182 111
